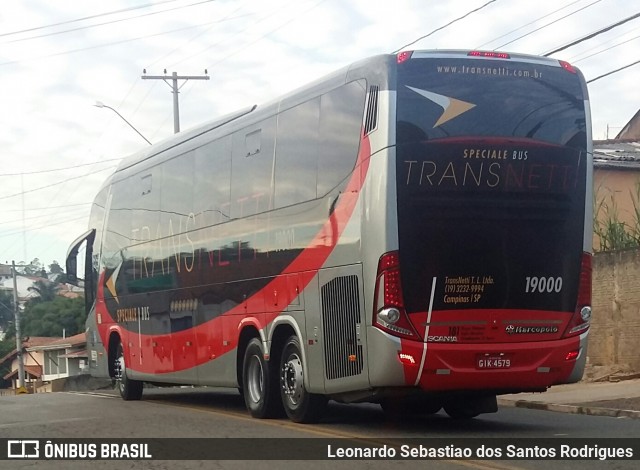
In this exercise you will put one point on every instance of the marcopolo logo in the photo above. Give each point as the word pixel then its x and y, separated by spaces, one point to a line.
pixel 531 330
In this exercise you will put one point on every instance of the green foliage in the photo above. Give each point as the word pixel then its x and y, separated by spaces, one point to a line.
pixel 54 268
pixel 6 309
pixel 46 292
pixel 34 268
pixel 51 318
pixel 613 233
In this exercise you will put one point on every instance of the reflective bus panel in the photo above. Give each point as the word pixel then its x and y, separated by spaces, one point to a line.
pixel 411 231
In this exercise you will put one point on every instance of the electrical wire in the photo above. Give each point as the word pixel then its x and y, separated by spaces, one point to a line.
pixel 444 26
pixel 46 208
pixel 60 222
pixel 548 24
pixel 120 20
pixel 99 15
pixel 593 35
pixel 38 172
pixel 614 71
pixel 56 184
pixel 527 24
pixel 115 43
pixel 604 50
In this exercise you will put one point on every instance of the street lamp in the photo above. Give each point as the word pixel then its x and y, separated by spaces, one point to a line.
pixel 100 104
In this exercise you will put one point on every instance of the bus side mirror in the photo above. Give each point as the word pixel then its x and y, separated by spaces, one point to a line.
pixel 72 256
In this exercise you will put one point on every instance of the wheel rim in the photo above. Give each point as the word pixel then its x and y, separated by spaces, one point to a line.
pixel 255 379
pixel 119 371
pixel 292 380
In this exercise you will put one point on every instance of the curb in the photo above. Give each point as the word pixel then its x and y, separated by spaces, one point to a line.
pixel 573 409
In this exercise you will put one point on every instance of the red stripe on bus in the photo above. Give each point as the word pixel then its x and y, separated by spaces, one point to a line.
pixel 306 265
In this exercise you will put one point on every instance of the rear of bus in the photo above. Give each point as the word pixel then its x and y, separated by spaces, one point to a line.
pixel 490 289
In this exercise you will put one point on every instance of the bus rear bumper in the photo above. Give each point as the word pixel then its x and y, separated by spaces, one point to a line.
pixel 504 368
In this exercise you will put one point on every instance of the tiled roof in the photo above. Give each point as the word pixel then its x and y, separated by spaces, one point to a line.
pixel 43 342
pixel 82 353
pixel 60 343
pixel 33 371
pixel 622 155
pixel 31 341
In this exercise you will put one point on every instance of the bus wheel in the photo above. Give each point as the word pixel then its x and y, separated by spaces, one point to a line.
pixel 458 412
pixel 300 405
pixel 129 389
pixel 259 386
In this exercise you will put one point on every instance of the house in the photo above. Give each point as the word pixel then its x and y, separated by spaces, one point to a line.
pixel 631 130
pixel 616 186
pixel 47 360
pixel 5 273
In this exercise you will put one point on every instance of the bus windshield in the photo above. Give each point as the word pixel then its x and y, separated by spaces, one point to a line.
pixel 491 165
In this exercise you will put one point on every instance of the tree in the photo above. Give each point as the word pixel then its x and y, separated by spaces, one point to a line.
pixel 6 309
pixel 46 291
pixel 55 268
pixel 34 268
pixel 53 317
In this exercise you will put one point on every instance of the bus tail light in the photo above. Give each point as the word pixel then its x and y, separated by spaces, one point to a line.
pixel 581 318
pixel 567 66
pixel 489 54
pixel 404 56
pixel 389 313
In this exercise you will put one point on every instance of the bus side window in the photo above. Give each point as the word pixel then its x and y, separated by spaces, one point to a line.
pixel 297 154
pixel 117 233
pixel 212 182
pixel 341 113
pixel 251 168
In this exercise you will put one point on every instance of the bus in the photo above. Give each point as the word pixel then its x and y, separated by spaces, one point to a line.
pixel 413 230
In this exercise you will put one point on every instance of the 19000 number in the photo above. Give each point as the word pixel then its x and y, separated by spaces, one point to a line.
pixel 543 284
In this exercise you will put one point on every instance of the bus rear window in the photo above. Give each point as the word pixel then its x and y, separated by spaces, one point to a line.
pixel 442 98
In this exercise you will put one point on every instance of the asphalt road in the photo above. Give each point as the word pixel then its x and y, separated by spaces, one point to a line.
pixel 206 413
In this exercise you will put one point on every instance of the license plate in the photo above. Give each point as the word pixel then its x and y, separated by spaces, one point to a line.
pixel 493 362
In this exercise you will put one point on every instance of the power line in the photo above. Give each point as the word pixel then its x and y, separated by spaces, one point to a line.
pixel 60 222
pixel 197 35
pixel 120 20
pixel 442 27
pixel 605 50
pixel 87 18
pixel 548 24
pixel 46 208
pixel 41 216
pixel 594 34
pixel 55 184
pixel 115 43
pixel 242 34
pixel 37 172
pixel 613 71
pixel 528 24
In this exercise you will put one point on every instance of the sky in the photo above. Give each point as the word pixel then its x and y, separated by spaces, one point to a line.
pixel 57 59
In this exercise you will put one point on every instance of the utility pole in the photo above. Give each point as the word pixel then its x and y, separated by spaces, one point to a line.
pixel 174 77
pixel 16 314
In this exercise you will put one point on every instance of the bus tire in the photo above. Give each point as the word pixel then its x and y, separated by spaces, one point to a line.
pixel 300 405
pixel 259 385
pixel 458 412
pixel 129 389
